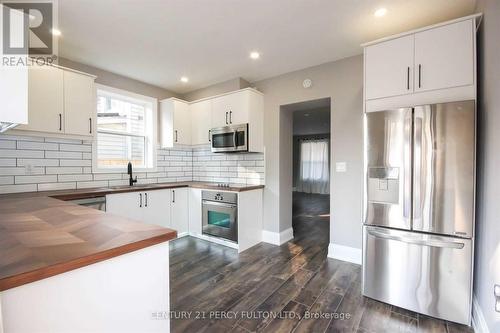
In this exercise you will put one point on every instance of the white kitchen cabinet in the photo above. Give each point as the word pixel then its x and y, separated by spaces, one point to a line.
pixel 45 100
pixel 234 108
pixel 79 104
pixel 435 64
pixel 389 68
pixel 157 207
pixel 166 207
pixel 175 123
pixel 180 210
pixel 125 204
pixel 444 56
pixel 244 106
pixel 60 101
pixel 201 116
pixel 195 215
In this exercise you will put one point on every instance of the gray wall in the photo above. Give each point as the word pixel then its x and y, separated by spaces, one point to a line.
pixel 487 261
pixel 216 89
pixel 342 81
pixel 318 121
pixel 119 81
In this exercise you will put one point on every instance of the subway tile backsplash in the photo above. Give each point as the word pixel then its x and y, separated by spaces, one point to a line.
pixel 32 163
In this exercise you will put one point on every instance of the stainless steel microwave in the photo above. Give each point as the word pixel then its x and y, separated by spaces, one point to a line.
pixel 233 138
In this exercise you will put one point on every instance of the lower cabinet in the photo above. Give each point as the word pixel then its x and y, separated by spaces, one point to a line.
pixel 168 208
pixel 179 207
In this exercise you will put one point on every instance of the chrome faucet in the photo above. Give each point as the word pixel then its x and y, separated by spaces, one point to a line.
pixel 131 180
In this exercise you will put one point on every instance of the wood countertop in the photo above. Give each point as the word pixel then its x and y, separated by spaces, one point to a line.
pixel 102 191
pixel 42 237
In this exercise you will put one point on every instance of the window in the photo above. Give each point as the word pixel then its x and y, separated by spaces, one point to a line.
pixel 126 130
pixel 314 166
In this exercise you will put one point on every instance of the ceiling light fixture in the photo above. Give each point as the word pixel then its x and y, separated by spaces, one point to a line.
pixel 55 32
pixel 380 12
pixel 255 55
pixel 184 79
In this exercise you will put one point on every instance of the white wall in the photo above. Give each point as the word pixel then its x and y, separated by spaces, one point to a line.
pixel 342 81
pixel 64 164
pixel 487 260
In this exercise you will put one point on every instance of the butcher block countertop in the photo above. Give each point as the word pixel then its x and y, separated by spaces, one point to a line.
pixel 42 237
pixel 102 191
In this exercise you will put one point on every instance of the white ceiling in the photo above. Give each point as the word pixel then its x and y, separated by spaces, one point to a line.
pixel 209 41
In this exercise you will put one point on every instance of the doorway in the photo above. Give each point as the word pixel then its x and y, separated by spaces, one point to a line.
pixel 311 169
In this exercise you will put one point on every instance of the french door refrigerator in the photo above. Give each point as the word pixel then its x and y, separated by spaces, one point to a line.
pixel 419 208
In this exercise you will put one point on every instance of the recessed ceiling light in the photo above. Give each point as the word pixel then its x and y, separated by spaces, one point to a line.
pixel 255 55
pixel 380 12
pixel 184 79
pixel 55 32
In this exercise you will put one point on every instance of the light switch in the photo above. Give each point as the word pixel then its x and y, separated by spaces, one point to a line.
pixel 341 167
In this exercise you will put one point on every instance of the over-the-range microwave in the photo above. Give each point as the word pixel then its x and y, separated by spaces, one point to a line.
pixel 233 138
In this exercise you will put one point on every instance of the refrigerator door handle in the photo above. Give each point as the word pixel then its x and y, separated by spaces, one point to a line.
pixel 418 156
pixel 407 185
pixel 412 240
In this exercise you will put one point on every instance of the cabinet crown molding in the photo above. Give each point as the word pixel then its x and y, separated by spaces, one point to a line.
pixel 477 17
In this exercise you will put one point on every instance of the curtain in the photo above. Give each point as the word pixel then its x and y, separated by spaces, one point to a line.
pixel 314 172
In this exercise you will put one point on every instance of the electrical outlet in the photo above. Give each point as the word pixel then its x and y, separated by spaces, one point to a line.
pixel 497 297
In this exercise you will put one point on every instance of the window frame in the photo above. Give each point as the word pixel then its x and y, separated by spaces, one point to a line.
pixel 153 138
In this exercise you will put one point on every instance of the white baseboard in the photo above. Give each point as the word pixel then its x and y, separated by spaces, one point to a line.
pixel 344 253
pixel 277 238
pixel 216 240
pixel 478 322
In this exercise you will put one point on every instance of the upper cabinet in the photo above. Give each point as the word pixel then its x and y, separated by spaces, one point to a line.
pixel 190 123
pixel 79 104
pixel 175 123
pixel 45 100
pixel 244 106
pixel 429 65
pixel 235 108
pixel 201 114
pixel 389 68
pixel 60 101
pixel 444 56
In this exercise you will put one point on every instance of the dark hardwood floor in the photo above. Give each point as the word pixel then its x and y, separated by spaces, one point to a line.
pixel 273 288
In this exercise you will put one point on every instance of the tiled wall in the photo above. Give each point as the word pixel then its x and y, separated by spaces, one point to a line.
pixel 67 164
pixel 246 168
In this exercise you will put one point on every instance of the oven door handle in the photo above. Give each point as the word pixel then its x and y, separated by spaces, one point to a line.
pixel 220 204
pixel 235 144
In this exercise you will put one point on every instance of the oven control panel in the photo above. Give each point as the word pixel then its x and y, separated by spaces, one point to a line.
pixel 228 197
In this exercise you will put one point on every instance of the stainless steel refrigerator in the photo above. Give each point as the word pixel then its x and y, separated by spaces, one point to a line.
pixel 419 208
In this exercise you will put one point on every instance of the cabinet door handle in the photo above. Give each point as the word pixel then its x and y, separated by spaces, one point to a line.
pixel 408 78
pixel 146 202
pixel 209 138
pixel 176 137
pixel 60 121
pixel 140 200
pixel 230 117
pixel 226 118
pixel 90 125
pixel 173 196
pixel 419 75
